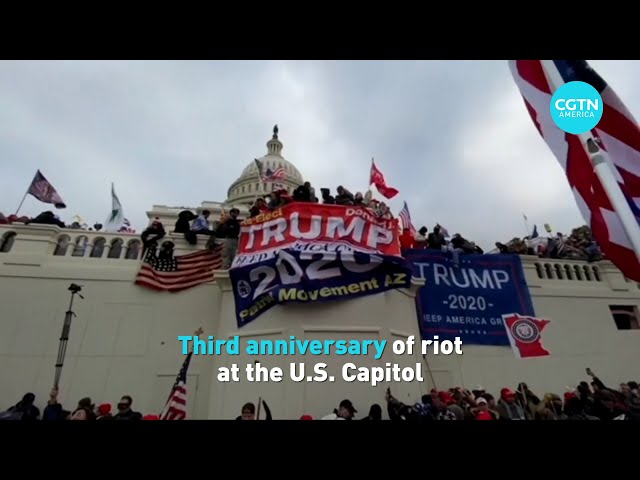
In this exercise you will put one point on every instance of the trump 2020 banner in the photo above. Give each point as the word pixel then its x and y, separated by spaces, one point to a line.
pixel 357 227
pixel 302 276
pixel 468 299
pixel 314 253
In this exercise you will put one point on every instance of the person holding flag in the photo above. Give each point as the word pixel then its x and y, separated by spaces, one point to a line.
pixel 176 406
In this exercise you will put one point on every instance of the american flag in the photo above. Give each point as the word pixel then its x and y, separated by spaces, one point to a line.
pixel 179 272
pixel 273 175
pixel 620 137
pixel 405 216
pixel 176 407
pixel 41 189
pixel 126 227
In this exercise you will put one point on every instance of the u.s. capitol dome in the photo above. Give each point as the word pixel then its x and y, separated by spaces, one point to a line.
pixel 249 185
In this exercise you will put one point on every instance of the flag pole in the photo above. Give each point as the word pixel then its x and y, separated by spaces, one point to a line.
pixel 259 183
pixel 526 224
pixel 26 193
pixel 433 381
pixel 599 160
pixel 23 199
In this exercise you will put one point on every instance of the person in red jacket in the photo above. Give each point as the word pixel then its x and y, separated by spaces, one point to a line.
pixel 407 241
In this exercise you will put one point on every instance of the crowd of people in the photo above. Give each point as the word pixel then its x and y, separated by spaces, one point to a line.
pixel 50 218
pixel 588 401
pixel 579 245
pixel 26 410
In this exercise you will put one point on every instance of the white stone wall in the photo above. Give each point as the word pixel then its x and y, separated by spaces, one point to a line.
pixel 124 338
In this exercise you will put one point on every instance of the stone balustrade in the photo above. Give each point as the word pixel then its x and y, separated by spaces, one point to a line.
pixel 65 244
pixel 51 240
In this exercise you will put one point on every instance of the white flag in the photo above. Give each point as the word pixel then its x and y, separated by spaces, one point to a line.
pixel 116 219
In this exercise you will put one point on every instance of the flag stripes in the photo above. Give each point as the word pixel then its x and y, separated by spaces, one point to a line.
pixel 620 137
pixel 180 272
pixel 405 217
pixel 176 407
pixel 273 175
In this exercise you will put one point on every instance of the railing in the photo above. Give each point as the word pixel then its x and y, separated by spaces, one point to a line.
pixel 50 240
pixel 567 270
pixel 77 243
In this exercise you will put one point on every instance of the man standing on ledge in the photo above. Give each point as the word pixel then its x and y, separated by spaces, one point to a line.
pixel 229 230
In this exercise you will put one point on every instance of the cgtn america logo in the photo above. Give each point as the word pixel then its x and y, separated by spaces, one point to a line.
pixel 576 107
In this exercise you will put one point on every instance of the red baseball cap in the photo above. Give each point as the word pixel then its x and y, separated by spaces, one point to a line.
pixel 507 392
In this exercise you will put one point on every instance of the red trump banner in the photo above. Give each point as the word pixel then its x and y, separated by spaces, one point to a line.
pixel 525 335
pixel 329 226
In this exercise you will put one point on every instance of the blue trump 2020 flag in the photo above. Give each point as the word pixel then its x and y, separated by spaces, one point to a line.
pixel 467 299
pixel 306 276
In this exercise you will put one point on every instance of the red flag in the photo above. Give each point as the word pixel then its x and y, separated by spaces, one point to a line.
pixel 44 191
pixel 377 178
pixel 525 335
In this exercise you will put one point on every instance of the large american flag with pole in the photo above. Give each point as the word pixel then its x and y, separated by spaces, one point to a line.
pixel 618 134
pixel 176 407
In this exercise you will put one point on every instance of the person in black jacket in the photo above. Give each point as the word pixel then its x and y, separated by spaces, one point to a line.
pixel 125 412
pixel 229 230
pixel 327 198
pixel 249 411
pixel 47 218
pixel 25 409
pixel 183 225
pixel 344 196
pixel 375 413
pixel 302 193
pixel 152 234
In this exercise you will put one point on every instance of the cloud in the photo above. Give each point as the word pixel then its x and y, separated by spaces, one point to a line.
pixel 452 136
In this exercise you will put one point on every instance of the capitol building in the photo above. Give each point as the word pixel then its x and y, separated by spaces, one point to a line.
pixel 124 338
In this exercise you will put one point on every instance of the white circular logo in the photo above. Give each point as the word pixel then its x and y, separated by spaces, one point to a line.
pixel 243 288
pixel 525 331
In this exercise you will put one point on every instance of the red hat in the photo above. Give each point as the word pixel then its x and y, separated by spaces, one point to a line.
pixel 306 417
pixel 151 417
pixel 104 409
pixel 568 396
pixel 507 392
pixel 446 398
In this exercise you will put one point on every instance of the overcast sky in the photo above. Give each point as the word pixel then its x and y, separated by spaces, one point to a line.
pixel 453 136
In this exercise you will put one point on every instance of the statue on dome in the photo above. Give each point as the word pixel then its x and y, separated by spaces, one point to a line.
pixel 275 131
